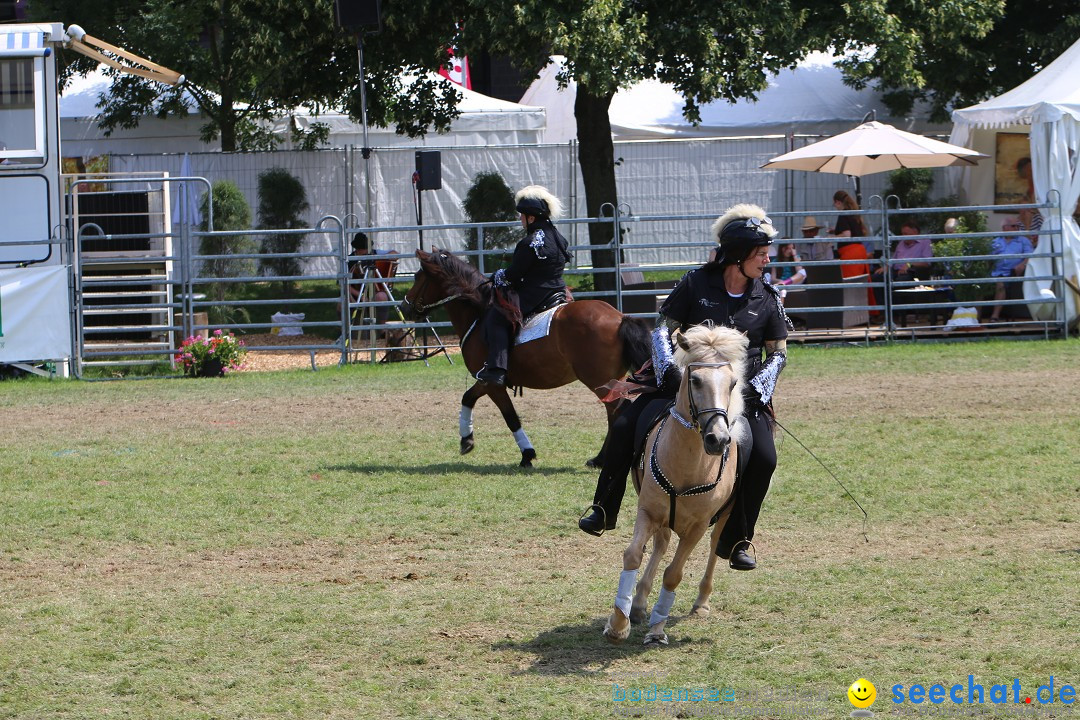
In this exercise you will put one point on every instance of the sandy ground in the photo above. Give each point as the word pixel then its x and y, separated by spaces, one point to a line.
pixel 285 359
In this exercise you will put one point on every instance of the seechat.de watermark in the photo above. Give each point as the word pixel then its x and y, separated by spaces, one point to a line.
pixel 940 699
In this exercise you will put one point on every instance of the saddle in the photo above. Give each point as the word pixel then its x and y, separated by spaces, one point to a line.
pixel 556 297
pixel 537 324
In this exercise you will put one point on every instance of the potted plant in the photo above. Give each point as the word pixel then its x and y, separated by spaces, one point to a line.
pixel 211 357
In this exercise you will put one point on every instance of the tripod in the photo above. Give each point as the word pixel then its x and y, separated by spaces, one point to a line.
pixel 370 317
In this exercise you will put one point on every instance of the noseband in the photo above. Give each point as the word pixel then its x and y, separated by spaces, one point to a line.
pixel 693 423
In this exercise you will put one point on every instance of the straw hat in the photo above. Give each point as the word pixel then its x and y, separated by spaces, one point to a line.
pixel 810 223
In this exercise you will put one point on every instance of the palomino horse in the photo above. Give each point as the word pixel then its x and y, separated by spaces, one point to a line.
pixel 589 341
pixel 686 477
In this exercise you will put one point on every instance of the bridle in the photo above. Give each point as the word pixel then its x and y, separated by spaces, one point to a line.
pixel 422 309
pixel 694 422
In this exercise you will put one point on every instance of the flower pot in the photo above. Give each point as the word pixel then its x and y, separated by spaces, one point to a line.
pixel 211 367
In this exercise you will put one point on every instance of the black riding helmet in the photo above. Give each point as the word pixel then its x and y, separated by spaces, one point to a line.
pixel 537 201
pixel 738 231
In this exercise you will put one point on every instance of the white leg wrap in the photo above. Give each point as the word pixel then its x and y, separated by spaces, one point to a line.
pixel 625 596
pixel 464 420
pixel 662 607
pixel 522 440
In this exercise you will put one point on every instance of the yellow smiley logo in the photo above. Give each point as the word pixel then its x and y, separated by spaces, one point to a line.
pixel 862 693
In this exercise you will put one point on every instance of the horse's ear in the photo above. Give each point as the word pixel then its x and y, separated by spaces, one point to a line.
pixel 681 340
pixel 421 254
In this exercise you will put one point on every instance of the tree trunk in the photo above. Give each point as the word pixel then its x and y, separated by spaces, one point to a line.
pixel 596 157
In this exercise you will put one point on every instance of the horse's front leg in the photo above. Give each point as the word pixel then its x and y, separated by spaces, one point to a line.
pixel 502 400
pixel 465 416
pixel 639 611
pixel 618 625
pixel 705 587
pixel 672 577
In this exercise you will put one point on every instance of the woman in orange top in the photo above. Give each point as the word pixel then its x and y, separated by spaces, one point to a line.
pixel 851 226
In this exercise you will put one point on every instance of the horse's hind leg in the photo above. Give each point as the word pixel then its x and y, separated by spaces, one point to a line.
pixel 639 611
pixel 465 421
pixel 705 587
pixel 502 400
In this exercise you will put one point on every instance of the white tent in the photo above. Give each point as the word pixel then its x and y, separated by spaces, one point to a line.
pixel 811 99
pixel 483 120
pixel 1048 106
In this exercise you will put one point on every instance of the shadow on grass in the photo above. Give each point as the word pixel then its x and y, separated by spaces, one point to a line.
pixel 582 650
pixel 445 468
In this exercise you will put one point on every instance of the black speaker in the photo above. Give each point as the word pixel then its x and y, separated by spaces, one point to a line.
pixel 428 170
pixel 357 14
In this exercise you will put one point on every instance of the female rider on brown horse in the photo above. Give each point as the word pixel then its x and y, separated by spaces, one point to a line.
pixel 728 290
pixel 534 275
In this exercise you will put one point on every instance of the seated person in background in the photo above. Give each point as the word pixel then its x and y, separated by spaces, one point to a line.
pixel 818 250
pixel 361 248
pixel 916 252
pixel 1008 267
pixel 791 275
pixel 951 226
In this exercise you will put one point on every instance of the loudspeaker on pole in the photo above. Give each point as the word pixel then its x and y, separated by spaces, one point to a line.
pixel 428 170
pixel 358 14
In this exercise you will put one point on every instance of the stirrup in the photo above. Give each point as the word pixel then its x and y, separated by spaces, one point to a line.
pixel 738 544
pixel 603 519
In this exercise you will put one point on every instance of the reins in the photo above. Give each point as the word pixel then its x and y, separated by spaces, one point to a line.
pixel 422 309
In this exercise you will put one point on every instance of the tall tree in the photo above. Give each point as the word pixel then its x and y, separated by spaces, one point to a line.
pixel 953 70
pixel 704 48
pixel 248 62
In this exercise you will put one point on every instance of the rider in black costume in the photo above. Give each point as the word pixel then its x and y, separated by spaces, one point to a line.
pixel 533 277
pixel 728 290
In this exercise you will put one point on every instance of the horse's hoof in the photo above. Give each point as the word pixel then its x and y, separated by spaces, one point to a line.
pixel 656 639
pixel 700 611
pixel 638 615
pixel 467 444
pixel 527 456
pixel 596 462
pixel 615 636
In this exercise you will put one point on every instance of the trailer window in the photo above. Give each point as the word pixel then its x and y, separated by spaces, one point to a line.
pixel 22 121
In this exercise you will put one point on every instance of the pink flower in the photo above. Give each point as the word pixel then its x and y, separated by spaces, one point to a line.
pixel 217 332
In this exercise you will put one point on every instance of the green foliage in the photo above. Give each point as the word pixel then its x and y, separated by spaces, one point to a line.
pixel 231 212
pixel 490 200
pixel 959 245
pixel 986 49
pixel 250 63
pixel 282 203
pixel 911 185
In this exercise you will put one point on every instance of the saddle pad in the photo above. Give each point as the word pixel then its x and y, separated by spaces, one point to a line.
pixel 537 326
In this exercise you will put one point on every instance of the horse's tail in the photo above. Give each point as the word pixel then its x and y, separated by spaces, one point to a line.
pixel 635 335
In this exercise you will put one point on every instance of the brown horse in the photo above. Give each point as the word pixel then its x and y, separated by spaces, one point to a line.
pixel 589 341
pixel 687 477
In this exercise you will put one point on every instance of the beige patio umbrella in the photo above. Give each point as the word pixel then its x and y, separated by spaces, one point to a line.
pixel 874 147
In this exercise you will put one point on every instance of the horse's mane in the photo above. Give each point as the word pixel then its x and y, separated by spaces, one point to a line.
pixel 707 343
pixel 458 277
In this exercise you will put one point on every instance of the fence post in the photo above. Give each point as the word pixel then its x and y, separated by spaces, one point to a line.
pixel 480 248
pixel 886 273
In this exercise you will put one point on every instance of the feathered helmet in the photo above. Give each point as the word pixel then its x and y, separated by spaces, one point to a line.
pixel 739 230
pixel 537 201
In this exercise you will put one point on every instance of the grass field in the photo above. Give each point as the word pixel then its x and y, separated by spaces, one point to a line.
pixel 311 545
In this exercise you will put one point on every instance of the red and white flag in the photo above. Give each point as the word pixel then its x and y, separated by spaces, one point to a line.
pixel 458 70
